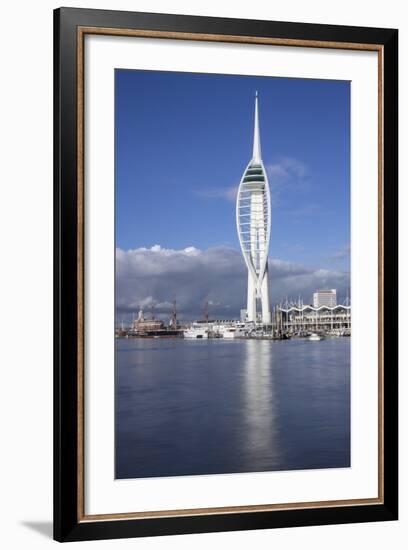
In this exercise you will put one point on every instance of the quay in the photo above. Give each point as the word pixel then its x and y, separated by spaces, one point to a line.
pixel 299 321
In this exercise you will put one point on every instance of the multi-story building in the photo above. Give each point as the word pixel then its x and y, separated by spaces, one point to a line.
pixel 298 319
pixel 325 298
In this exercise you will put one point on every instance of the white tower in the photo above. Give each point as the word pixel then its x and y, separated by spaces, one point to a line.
pixel 253 213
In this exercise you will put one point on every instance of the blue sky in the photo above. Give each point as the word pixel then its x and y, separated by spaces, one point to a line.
pixel 183 141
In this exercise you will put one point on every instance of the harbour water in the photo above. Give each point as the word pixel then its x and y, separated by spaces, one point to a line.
pixel 230 406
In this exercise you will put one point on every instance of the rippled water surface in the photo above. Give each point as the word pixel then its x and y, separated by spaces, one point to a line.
pixel 205 407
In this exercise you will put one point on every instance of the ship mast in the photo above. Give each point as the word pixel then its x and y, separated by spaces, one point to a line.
pixel 206 311
pixel 174 314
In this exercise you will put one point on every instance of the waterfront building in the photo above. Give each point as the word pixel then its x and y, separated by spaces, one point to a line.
pixel 243 315
pixel 334 320
pixel 253 218
pixel 325 298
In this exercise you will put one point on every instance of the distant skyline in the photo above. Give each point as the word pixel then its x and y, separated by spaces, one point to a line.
pixel 183 141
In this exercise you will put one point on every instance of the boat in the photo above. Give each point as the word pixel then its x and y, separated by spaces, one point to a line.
pixel 314 337
pixel 240 332
pixel 229 332
pixel 196 331
pixel 223 330
pixel 165 332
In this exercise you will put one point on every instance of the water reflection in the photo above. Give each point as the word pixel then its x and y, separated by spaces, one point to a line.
pixel 188 408
pixel 259 410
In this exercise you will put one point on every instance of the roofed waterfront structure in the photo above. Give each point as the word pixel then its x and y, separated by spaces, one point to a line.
pixel 330 319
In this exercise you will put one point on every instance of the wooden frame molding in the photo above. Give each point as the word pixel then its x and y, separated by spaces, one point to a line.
pixel 71 28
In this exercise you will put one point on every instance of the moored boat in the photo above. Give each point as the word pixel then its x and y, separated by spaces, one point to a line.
pixel 196 331
pixel 314 337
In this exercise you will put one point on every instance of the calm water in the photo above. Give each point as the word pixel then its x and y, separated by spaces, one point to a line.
pixel 204 407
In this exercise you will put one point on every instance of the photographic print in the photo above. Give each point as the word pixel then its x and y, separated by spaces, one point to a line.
pixel 233 302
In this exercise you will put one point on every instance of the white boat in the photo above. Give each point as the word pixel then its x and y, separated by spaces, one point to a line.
pixel 196 331
pixel 240 332
pixel 315 337
pixel 229 332
pixel 223 330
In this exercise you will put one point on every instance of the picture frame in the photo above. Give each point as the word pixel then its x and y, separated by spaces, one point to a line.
pixel 71 26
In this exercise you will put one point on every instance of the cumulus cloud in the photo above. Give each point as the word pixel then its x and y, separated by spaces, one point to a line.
pixel 153 277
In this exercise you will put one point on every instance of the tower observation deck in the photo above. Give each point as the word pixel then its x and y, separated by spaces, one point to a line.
pixel 253 217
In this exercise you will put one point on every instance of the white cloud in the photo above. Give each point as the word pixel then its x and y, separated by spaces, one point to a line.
pixel 287 169
pixel 289 175
pixel 154 277
pixel 226 193
pixel 344 252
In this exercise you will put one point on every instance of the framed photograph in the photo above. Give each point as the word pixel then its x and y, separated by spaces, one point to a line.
pixel 225 274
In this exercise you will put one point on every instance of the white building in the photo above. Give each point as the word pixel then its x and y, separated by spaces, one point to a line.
pixel 243 315
pixel 325 318
pixel 253 216
pixel 325 298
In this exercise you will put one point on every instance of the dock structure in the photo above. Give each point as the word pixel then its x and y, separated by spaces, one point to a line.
pixel 307 318
pixel 290 319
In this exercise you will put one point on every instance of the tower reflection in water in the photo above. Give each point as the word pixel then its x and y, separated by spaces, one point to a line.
pixel 261 433
pixel 219 406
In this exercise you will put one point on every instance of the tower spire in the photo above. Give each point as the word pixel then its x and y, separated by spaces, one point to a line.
pixel 256 155
pixel 253 214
